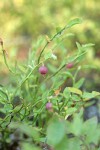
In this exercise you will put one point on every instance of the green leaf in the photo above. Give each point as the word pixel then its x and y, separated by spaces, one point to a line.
pixel 8 108
pixel 50 55
pixel 78 46
pixel 27 129
pixel 91 130
pixel 57 84
pixel 96 93
pixel 79 83
pixel 55 131
pixel 68 74
pixel 63 144
pixel 75 97
pixel 75 90
pixel 74 22
pixel 76 125
pixel 88 45
pixel 90 123
pixel 37 44
pixel 82 48
pixel 17 108
pixel 80 56
pixel 87 96
pixel 89 67
pixel 73 144
pixel 3 95
pixel 43 139
pixel 27 146
pixel 71 58
pixel 70 111
pixel 66 93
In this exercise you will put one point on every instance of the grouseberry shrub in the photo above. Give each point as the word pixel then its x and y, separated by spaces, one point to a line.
pixel 25 101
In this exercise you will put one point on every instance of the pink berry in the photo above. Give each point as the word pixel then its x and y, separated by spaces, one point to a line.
pixel 43 70
pixel 49 105
pixel 70 65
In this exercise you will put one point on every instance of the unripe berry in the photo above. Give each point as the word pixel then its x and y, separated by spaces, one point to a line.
pixel 43 70
pixel 49 105
pixel 69 65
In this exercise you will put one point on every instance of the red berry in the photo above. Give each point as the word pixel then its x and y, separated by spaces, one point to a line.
pixel 43 70
pixel 70 65
pixel 49 105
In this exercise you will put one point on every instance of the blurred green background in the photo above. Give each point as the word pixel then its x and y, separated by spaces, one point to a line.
pixel 27 19
pixel 23 21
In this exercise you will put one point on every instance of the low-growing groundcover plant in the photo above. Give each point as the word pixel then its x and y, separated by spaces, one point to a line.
pixel 36 110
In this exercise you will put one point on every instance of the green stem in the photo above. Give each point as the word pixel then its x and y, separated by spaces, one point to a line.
pixel 75 75
pixel 56 35
pixel 58 106
pixel 42 51
pixel 56 72
pixel 38 113
pixel 24 81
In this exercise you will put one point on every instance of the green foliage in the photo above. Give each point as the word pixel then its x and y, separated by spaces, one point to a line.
pixel 56 131
pixel 23 100
pixel 82 133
